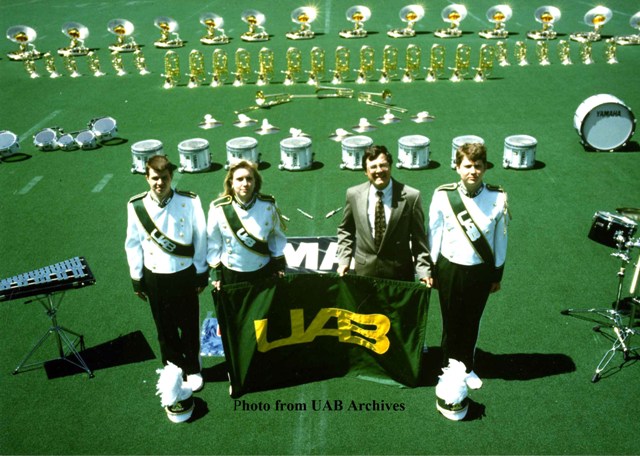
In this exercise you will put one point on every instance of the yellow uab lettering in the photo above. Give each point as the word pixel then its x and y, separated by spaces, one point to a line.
pixel 374 339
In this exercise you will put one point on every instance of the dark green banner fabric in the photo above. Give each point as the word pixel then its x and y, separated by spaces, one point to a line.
pixel 309 327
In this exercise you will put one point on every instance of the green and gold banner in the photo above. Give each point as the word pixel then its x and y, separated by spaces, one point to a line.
pixel 308 327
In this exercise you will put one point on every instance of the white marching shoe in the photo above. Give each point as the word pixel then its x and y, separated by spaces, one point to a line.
pixel 473 381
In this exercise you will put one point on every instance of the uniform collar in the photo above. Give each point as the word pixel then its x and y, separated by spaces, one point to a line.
pixel 164 202
pixel 246 206
pixel 464 191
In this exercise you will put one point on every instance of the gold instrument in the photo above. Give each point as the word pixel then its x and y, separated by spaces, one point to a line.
pixel 265 66
pixel 342 64
pixel 367 64
pixel 196 68
pixel 502 54
pixel 610 51
pixel 452 14
pixel 77 33
pixel 436 63
pixel 586 52
pixel 542 52
pixel 171 70
pixel 626 40
pixel 122 29
pixel 169 37
pixel 94 64
pixel 485 66
pixel 254 19
pixel 294 66
pixel 30 68
pixel 358 15
pixel 50 65
pixel 333 92
pixel 409 14
pixel 564 52
pixel 462 63
pixel 367 98
pixel 497 15
pixel 547 16
pixel 71 66
pixel 23 36
pixel 596 18
pixel 389 63
pixel 413 57
pixel 220 68
pixel 520 52
pixel 317 65
pixel 243 66
pixel 263 101
pixel 140 62
pixel 215 32
pixel 303 16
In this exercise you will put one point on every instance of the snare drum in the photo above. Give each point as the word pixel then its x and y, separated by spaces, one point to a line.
pixel 519 152
pixel 142 151
pixel 353 148
pixel 242 148
pixel 413 152
pixel 105 128
pixel 86 139
pixel 194 155
pixel 611 229
pixel 604 122
pixel 459 141
pixel 9 144
pixel 66 142
pixel 46 139
pixel 296 153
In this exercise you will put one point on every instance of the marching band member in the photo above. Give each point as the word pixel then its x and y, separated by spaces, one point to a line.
pixel 245 230
pixel 166 248
pixel 468 241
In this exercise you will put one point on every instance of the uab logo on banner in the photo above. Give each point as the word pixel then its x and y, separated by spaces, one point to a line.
pixel 346 330
pixel 312 254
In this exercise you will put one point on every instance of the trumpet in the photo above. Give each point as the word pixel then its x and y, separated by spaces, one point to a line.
pixel 50 65
pixel 521 53
pixel 94 64
pixel 342 64
pixel 71 65
pixel 586 53
pixel 140 62
pixel 436 63
pixel 564 52
pixel 334 92
pixel 610 51
pixel 265 66
pixel 501 54
pixel 542 51
pixel 294 66
pixel 463 61
pixel 30 67
pixel 317 65
pixel 367 98
pixel 485 66
pixel 367 63
pixel 413 56
pixel 220 69
pixel 243 66
pixel 196 68
pixel 389 63
pixel 171 70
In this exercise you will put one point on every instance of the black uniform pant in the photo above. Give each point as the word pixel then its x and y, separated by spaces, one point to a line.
pixel 176 311
pixel 463 293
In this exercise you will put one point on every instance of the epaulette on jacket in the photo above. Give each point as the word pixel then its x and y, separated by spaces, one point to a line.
pixel 186 193
pixel 137 197
pixel 268 198
pixel 448 187
pixel 495 188
pixel 221 201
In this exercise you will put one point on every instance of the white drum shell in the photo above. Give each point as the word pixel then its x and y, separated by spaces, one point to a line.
pixel 86 139
pixel 142 151
pixel 105 128
pixel 194 155
pixel 413 152
pixel 353 148
pixel 66 142
pixel 296 153
pixel 9 144
pixel 519 152
pixel 46 140
pixel 604 122
pixel 459 141
pixel 242 148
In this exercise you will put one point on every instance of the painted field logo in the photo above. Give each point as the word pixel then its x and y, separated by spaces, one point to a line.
pixel 369 331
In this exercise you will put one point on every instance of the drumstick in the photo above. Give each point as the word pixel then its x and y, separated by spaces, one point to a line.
pixel 305 214
pixel 333 212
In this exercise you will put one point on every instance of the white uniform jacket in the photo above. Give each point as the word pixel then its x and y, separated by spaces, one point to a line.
pixel 181 220
pixel 446 236
pixel 261 219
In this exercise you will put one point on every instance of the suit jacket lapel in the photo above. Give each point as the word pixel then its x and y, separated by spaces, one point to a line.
pixel 362 202
pixel 398 201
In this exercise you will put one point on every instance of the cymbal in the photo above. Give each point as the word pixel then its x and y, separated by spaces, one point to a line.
pixel 631 212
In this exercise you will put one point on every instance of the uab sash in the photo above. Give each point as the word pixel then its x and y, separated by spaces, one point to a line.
pixel 162 240
pixel 308 327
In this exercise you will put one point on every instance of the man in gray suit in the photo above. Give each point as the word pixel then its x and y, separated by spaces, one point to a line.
pixel 383 226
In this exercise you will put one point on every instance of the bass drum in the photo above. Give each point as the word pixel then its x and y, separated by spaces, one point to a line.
pixel 604 122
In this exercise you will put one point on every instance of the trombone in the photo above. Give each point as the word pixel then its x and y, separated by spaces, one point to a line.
pixel 367 98
pixel 334 92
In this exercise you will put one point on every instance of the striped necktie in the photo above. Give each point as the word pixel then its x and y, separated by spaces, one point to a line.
pixel 380 221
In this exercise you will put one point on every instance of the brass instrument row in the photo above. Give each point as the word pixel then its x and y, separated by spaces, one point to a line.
pixel 391 67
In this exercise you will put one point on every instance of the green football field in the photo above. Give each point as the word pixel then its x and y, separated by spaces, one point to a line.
pixel 537 364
